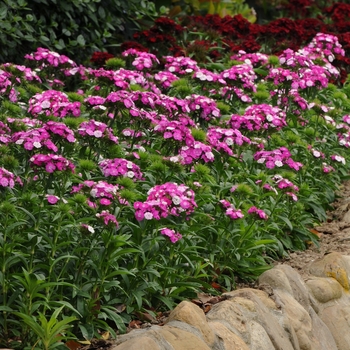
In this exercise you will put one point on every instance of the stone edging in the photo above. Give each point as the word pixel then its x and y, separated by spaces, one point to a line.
pixel 284 313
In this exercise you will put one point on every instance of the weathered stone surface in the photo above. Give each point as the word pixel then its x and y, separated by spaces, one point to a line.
pixel 324 289
pixel 276 279
pixel 139 343
pixel 190 313
pixel 230 340
pixel 337 319
pixel 259 338
pixel 267 316
pixel 182 340
pixel 152 332
pixel 322 338
pixel 298 317
pixel 299 290
pixel 332 265
pixel 235 318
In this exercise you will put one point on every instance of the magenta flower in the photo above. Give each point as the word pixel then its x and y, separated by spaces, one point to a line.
pixel 52 102
pixel 103 191
pixel 224 139
pixel 164 200
pixel 51 163
pixel 105 201
pixel 231 211
pixel 181 65
pixel 143 59
pixel 277 158
pixel 255 59
pixel 327 168
pixel 165 78
pixel 34 139
pixel 60 129
pixel 258 212
pixel 7 179
pixel 199 151
pixel 171 234
pixel 52 199
pixel 203 106
pixel 99 130
pixel 259 117
pixel 47 57
pixel 175 130
pixel 120 167
pixel 107 218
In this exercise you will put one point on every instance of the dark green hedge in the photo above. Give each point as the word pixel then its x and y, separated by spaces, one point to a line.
pixel 72 27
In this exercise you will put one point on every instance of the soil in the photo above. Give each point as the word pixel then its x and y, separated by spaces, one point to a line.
pixel 334 236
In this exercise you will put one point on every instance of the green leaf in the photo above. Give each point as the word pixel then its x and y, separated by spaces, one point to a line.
pixel 5 308
pixel 44 38
pixel 113 315
pixel 286 221
pixel 101 12
pixel 80 40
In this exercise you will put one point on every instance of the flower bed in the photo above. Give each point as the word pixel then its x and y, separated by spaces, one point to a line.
pixel 126 190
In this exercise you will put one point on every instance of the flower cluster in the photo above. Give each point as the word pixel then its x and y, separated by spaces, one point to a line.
pixel 206 75
pixel 143 59
pixel 277 158
pixel 52 102
pixel 93 128
pixel 294 59
pixel 180 65
pixel 7 179
pixel 231 211
pixel 120 167
pixel 243 73
pixel 171 234
pixel 285 184
pixel 107 218
pixel 229 90
pixel 224 139
pixel 60 129
pixel 175 130
pixel 326 168
pixel 165 78
pixel 34 139
pixel 167 199
pixel 255 59
pixel 327 45
pixel 204 106
pixel 51 162
pixel 132 133
pixel 101 190
pixel 5 132
pixel 282 75
pixel 338 158
pixel 47 57
pixel 258 212
pixel 95 100
pixel 258 117
pixel 195 152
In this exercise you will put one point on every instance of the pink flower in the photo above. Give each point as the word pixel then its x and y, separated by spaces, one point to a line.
pixel 107 218
pixel 259 212
pixel 173 236
pixel 105 201
pixel 52 199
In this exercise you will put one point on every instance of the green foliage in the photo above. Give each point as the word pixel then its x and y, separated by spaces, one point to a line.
pixel 75 28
